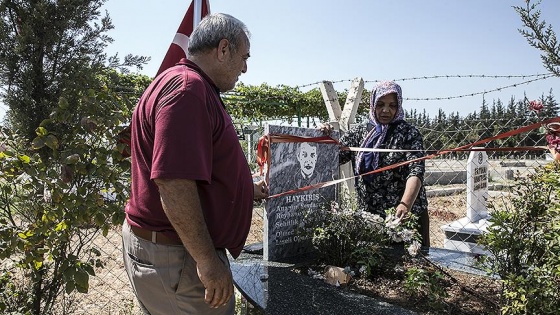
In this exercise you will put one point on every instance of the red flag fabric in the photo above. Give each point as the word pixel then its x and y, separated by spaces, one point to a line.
pixel 178 48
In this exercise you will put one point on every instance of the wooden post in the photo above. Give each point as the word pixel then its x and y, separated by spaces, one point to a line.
pixel 342 119
pixel 331 100
pixel 348 116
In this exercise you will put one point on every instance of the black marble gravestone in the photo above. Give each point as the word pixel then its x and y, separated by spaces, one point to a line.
pixel 295 165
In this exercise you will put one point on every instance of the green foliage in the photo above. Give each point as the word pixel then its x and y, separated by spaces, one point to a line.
pixel 540 35
pixel 43 58
pixel 250 104
pixel 524 241
pixel 52 205
pixel 428 284
pixel 349 237
pixel 256 103
pixel 51 50
pixel 372 247
pixel 62 177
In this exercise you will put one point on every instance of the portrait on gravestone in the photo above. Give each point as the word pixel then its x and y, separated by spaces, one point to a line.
pixel 295 165
pixel 304 171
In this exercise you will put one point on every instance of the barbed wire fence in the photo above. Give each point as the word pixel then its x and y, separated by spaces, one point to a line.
pixel 110 291
pixel 527 79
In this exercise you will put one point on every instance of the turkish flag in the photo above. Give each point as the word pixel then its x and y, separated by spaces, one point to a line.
pixel 178 48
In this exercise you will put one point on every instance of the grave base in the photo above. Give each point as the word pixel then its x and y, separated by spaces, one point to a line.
pixel 462 235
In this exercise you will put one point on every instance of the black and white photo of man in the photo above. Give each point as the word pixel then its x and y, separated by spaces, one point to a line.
pixel 307 158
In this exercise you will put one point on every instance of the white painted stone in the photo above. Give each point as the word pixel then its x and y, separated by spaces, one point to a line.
pixel 477 186
pixel 463 227
pixel 462 234
pixel 464 247
pixel 331 100
pixel 348 115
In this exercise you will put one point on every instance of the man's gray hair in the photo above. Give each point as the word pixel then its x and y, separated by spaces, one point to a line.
pixel 212 29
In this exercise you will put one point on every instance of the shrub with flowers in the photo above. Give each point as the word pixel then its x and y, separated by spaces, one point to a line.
pixel 551 130
pixel 524 238
pixel 346 236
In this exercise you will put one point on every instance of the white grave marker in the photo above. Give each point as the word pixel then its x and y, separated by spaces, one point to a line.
pixel 477 186
pixel 462 234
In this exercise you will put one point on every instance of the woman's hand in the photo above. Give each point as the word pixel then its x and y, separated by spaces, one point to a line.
pixel 413 185
pixel 261 190
pixel 326 129
pixel 402 210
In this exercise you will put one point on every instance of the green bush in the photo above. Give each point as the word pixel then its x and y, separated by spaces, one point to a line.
pixel 524 242
pixel 56 195
pixel 428 284
pixel 345 236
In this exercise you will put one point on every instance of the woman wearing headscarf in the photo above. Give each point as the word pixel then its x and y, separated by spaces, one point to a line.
pixel 401 187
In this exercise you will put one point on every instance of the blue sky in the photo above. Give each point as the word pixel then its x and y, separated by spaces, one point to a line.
pixel 299 42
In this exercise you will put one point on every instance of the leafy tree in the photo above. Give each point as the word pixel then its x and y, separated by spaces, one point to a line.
pixel 540 35
pixel 484 111
pixel 524 240
pixel 50 49
pixel 250 104
pixel 256 103
pixel 63 179
pixel 76 194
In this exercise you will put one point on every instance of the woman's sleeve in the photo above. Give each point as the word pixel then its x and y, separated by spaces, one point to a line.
pixel 349 139
pixel 416 142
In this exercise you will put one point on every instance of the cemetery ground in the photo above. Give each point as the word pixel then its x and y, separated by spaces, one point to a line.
pixel 110 292
pixel 466 293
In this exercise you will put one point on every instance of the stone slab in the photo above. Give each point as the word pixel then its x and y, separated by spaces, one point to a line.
pixel 277 290
pixel 457 260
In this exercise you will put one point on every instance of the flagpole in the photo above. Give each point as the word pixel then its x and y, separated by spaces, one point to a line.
pixel 197 13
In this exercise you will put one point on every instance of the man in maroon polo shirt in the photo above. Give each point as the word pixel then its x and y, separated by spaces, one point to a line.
pixel 192 191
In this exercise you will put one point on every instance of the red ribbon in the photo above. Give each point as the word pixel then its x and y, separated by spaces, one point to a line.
pixel 263 152
pixel 467 147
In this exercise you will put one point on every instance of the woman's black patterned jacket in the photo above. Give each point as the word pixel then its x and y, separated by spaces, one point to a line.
pixel 385 189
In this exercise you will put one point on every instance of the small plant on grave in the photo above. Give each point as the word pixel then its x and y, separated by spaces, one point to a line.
pixel 551 131
pixel 524 242
pixel 426 284
pixel 346 236
pixel 396 233
pixel 403 231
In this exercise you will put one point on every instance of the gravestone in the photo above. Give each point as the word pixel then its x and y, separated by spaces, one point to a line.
pixel 462 234
pixel 291 166
pixel 477 186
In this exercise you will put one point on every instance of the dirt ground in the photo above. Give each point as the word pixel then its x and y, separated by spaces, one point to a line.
pixel 468 293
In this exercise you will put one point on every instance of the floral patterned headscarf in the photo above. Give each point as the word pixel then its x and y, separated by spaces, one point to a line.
pixel 368 161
